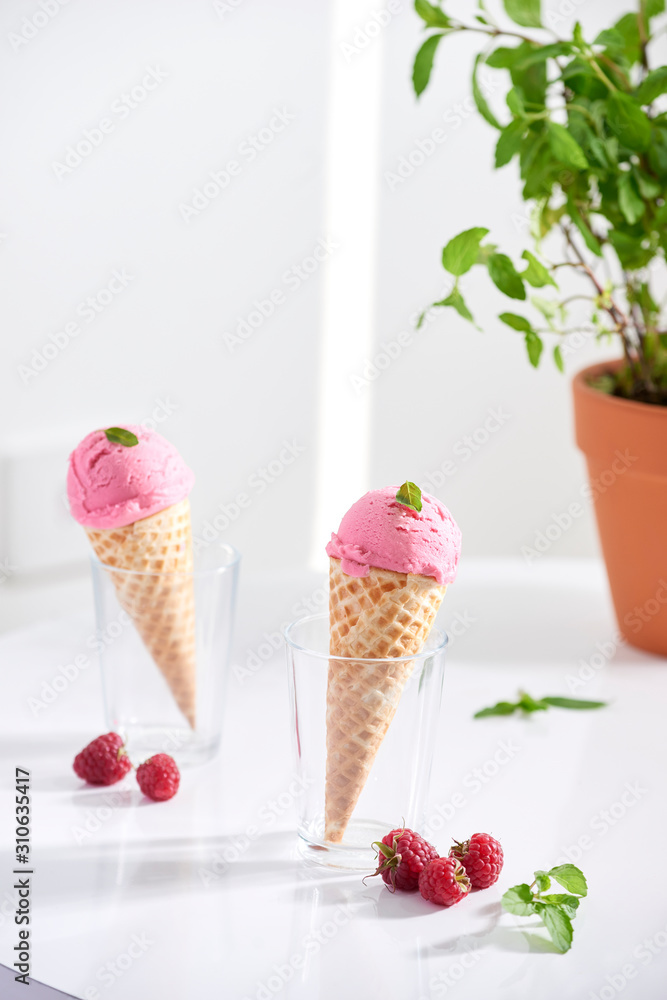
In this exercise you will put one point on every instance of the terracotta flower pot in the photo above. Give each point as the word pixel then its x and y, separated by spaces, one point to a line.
pixel 625 445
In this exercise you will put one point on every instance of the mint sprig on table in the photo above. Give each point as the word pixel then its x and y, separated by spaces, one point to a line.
pixel 527 704
pixel 118 435
pixel 556 910
pixel 410 496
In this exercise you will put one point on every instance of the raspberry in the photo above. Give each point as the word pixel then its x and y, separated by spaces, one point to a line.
pixel 482 858
pixel 104 761
pixel 159 777
pixel 402 855
pixel 444 881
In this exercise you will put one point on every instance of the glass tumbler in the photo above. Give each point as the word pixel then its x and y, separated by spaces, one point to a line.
pixel 395 792
pixel 165 670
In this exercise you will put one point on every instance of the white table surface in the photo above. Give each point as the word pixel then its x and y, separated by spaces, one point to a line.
pixel 112 869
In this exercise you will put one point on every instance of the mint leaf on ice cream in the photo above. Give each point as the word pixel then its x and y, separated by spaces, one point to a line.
pixel 410 496
pixel 118 435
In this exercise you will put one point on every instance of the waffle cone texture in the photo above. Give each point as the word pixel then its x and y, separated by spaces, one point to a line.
pixel 161 604
pixel 384 615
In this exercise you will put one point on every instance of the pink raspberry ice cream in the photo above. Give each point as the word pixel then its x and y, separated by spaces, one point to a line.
pixel 110 485
pixel 379 531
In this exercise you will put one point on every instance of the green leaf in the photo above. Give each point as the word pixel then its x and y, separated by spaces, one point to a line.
pixel 456 301
pixel 432 15
pixel 543 881
pixel 526 702
pixel 534 347
pixel 653 86
pixel 501 708
pixel 505 277
pixel 479 99
pixel 571 878
pixel 558 358
pixel 509 142
pixel 118 435
pixel 652 8
pixel 382 849
pixel 516 322
pixel 627 120
pixel 519 900
pixel 524 12
pixel 628 28
pixel 514 102
pixel 567 903
pixel 461 252
pixel 410 496
pixel 590 240
pixel 648 186
pixel 565 148
pixel 421 71
pixel 545 52
pixel 548 307
pixel 629 249
pixel 610 38
pixel 657 154
pixel 558 923
pixel 630 202
pixel 578 703
pixel 485 252
pixel 503 57
pixel 536 273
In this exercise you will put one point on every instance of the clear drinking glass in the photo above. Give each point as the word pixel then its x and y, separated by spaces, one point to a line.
pixel 141 689
pixel 396 790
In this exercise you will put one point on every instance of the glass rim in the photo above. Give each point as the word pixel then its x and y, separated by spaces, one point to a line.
pixel 233 554
pixel 440 647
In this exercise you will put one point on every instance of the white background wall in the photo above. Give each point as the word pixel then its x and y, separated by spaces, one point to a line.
pixel 227 67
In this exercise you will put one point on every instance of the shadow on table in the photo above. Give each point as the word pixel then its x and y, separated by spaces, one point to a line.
pixel 151 867
pixel 512 939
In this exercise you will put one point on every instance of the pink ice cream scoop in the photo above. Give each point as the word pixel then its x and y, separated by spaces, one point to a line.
pixel 111 485
pixel 379 531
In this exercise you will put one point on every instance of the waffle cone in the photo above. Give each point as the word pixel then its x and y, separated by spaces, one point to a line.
pixel 161 605
pixel 382 615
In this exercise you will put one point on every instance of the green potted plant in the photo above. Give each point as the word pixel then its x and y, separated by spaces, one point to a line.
pixel 587 121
